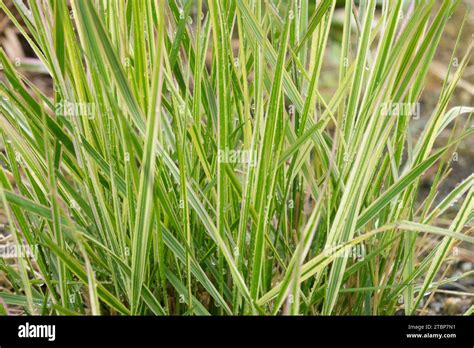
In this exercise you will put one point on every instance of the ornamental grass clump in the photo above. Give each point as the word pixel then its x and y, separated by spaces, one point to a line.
pixel 189 161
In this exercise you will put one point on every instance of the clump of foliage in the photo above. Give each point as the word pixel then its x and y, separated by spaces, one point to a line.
pixel 189 163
